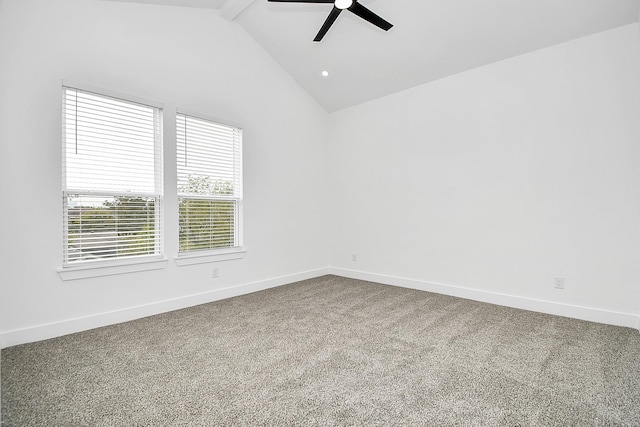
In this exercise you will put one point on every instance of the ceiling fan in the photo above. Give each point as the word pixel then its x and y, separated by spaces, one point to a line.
pixel 338 6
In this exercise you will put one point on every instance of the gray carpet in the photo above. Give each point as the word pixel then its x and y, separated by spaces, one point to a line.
pixel 330 351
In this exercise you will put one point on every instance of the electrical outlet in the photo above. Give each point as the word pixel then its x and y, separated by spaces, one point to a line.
pixel 214 273
pixel 354 257
pixel 558 282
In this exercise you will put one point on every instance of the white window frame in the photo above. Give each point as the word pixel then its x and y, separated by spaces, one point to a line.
pixel 237 251
pixel 116 265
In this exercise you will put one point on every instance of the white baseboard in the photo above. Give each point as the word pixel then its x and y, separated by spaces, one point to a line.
pixel 52 330
pixel 577 312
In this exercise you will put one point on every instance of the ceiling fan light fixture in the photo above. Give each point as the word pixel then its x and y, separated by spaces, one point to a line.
pixel 343 4
pixel 338 6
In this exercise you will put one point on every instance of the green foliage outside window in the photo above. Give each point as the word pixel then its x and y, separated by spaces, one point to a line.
pixel 102 228
pixel 207 219
pixel 115 227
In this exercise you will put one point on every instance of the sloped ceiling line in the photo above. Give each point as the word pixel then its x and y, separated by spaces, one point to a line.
pixel 232 8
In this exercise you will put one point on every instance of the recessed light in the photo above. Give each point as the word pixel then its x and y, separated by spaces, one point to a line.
pixel 325 74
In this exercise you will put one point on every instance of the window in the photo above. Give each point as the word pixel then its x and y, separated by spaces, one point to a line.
pixel 112 178
pixel 209 168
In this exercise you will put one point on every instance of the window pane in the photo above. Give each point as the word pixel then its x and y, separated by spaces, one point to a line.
pixel 103 227
pixel 206 224
pixel 209 157
pixel 110 144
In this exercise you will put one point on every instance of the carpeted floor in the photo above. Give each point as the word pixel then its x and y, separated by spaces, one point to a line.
pixel 330 351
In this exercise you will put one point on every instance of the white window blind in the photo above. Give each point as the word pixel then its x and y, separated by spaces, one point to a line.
pixel 112 177
pixel 209 157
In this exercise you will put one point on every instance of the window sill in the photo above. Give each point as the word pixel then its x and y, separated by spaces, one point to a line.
pixel 209 256
pixel 98 270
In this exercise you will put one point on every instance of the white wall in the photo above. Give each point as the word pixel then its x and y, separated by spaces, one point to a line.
pixel 498 179
pixel 185 57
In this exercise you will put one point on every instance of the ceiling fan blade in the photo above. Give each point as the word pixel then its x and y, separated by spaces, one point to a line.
pixel 303 1
pixel 367 15
pixel 333 15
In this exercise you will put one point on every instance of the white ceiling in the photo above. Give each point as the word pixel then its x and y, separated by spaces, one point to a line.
pixel 430 39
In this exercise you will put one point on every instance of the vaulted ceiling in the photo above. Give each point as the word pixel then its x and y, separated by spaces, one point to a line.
pixel 430 39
